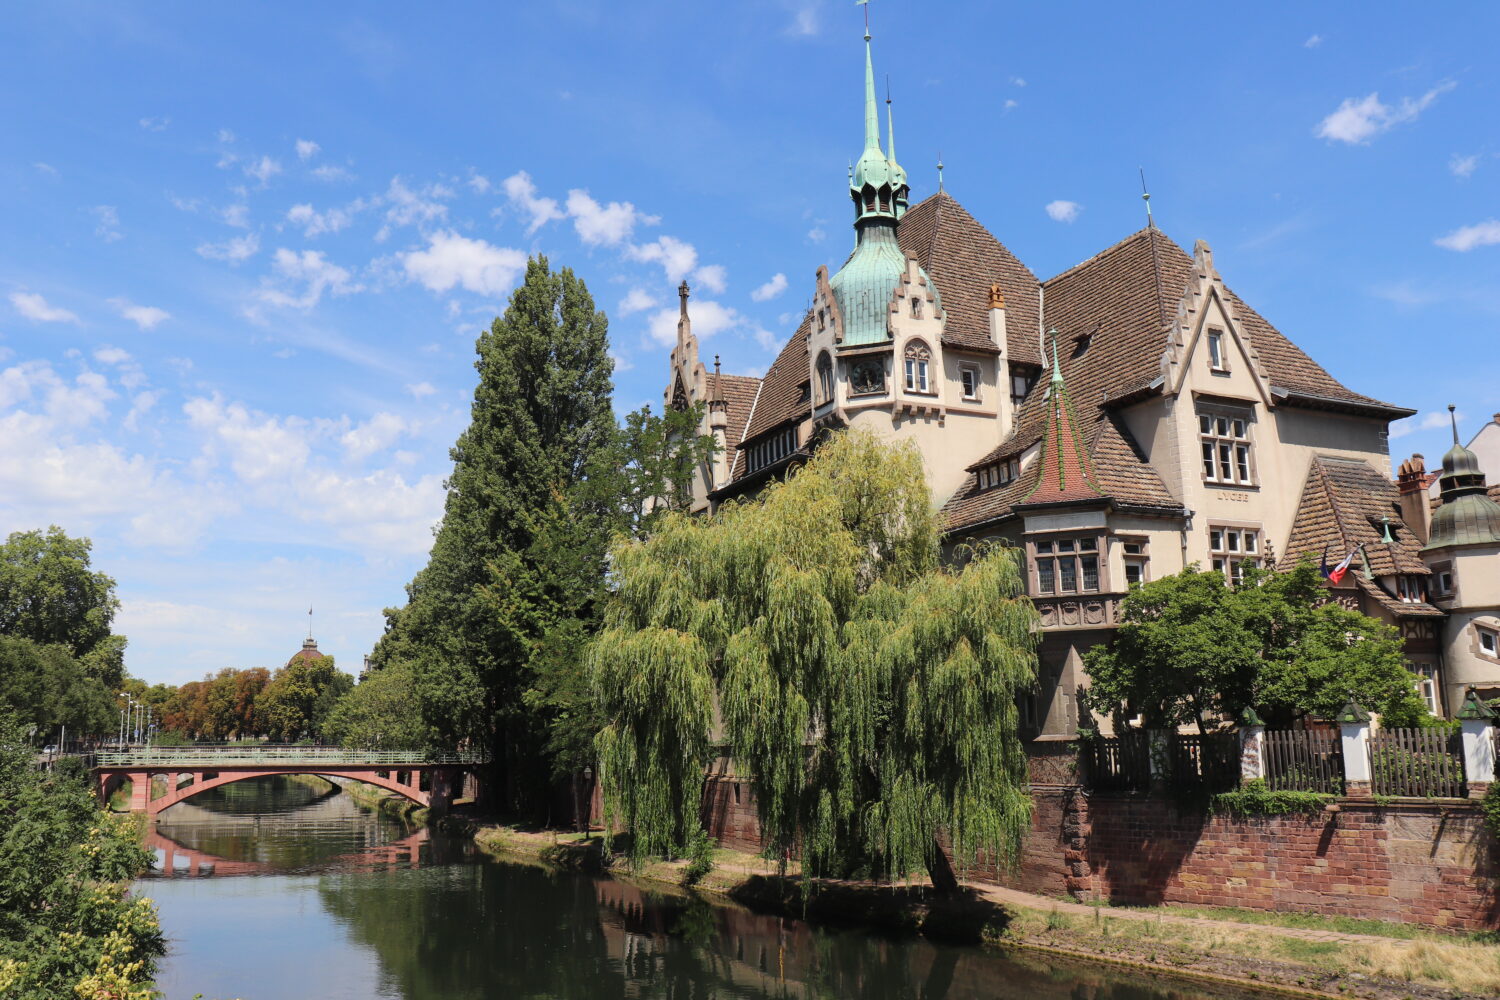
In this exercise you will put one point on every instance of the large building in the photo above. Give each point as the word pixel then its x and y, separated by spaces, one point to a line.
pixel 1118 421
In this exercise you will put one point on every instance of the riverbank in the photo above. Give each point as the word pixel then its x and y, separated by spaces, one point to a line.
pixel 1287 954
pixel 382 801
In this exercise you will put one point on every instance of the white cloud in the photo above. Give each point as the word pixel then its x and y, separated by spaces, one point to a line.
pixel 713 277
pixel 676 258
pixel 606 225
pixel 315 223
pixel 226 136
pixel 237 215
pixel 408 207
pixel 1358 120
pixel 1434 420
pixel 804 20
pixel 234 250
pixel 46 168
pixel 816 235
pixel 145 317
pixel 521 191
pixel 1483 234
pixel 708 319
pixel 307 149
pixel 263 169
pixel 420 390
pixel 1017 81
pixel 1063 211
pixel 310 270
pixel 478 182
pixel 330 172
pixel 376 434
pixel 1313 42
pixel 111 355
pixel 622 363
pixel 155 124
pixel 1463 166
pixel 108 228
pixel 1010 105
pixel 765 338
pixel 771 289
pixel 636 300
pixel 451 259
pixel 34 307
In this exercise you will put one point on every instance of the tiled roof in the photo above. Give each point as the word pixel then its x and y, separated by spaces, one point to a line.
pixel 1119 469
pixel 781 397
pixel 1341 507
pixel 1395 607
pixel 963 259
pixel 1064 470
pixel 739 392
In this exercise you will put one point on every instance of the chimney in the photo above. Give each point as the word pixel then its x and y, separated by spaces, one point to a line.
pixel 1004 408
pixel 1411 486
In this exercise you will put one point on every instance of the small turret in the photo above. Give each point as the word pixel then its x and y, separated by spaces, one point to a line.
pixel 1467 516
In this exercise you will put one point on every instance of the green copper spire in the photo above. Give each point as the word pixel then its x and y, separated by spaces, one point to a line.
pixel 1056 365
pixel 872 120
pixel 898 175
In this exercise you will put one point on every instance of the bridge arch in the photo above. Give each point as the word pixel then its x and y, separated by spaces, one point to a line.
pixel 176 794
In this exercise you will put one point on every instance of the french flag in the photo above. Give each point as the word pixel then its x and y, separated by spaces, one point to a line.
pixel 1336 574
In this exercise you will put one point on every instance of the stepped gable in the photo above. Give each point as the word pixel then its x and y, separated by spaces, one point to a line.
pixel 963 259
pixel 739 392
pixel 781 396
pixel 1342 503
pixel 1119 469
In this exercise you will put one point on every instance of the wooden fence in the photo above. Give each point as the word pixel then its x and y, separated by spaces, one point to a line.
pixel 1207 763
pixel 1426 763
pixel 1303 761
pixel 1118 763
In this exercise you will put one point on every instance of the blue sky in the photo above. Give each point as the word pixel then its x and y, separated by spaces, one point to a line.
pixel 248 246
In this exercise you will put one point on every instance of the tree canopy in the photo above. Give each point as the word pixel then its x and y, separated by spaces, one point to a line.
pixel 869 690
pixel 299 698
pixel 1191 649
pixel 48 594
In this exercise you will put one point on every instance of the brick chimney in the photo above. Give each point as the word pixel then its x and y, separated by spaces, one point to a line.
pixel 1411 485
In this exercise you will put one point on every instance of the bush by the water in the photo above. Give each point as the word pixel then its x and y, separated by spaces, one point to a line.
pixel 68 925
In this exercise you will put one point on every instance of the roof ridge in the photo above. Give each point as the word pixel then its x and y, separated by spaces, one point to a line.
pixel 1113 247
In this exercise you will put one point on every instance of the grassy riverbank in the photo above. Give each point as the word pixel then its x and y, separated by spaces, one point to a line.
pixel 1283 953
pixel 386 802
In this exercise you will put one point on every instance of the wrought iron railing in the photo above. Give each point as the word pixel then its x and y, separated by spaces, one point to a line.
pixel 179 757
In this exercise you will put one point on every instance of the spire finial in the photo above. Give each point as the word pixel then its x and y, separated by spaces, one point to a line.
pixel 1146 197
pixel 872 119
pixel 717 396
pixel 940 171
pixel 1453 419
pixel 682 296
pixel 890 123
pixel 309 622
pixel 1056 364
pixel 1385 531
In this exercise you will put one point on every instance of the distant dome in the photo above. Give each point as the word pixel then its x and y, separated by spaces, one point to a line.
pixel 309 651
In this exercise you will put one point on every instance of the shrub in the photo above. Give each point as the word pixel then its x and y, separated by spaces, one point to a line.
pixel 700 855
pixel 1259 799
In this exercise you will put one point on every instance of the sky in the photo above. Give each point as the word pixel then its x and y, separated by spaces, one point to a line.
pixel 247 247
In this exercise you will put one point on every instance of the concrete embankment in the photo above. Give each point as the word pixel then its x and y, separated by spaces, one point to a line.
pixel 1295 955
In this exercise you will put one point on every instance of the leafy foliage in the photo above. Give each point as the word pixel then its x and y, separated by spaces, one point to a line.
pixel 48 687
pixel 868 690
pixel 68 927
pixel 1256 798
pixel 378 713
pixel 300 696
pixel 1490 807
pixel 222 706
pixel 1191 649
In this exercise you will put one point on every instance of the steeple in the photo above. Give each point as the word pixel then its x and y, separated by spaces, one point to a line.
pixel 1467 515
pixel 1065 472
pixel 898 176
pixel 876 176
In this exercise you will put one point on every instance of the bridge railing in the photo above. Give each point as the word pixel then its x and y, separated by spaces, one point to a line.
pixel 181 757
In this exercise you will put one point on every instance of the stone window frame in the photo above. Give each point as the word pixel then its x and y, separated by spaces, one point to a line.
pixel 1486 629
pixel 1442 579
pixel 1232 538
pixel 1411 588
pixel 1427 685
pixel 976 379
pixel 998 473
pixel 1224 426
pixel 1045 552
pixel 918 368
pixel 825 380
pixel 1218 358
pixel 1135 551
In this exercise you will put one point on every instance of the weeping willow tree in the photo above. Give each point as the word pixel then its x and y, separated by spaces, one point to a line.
pixel 869 689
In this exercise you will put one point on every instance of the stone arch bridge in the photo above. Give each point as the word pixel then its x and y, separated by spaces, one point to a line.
pixel 430 780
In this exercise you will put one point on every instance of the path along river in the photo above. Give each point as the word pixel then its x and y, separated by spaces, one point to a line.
pixel 277 891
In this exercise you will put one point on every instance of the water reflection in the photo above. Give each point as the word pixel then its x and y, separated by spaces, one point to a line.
pixel 349 903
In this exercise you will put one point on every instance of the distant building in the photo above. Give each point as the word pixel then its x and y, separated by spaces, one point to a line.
pixel 1118 421
pixel 309 651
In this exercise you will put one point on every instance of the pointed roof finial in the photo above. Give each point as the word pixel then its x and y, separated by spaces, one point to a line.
pixel 1146 197
pixel 309 622
pixel 717 395
pixel 890 123
pixel 682 296
pixel 1056 364
pixel 1385 531
pixel 940 170
pixel 1453 419
pixel 872 118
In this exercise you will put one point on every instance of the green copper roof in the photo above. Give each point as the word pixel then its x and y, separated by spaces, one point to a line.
pixel 1352 713
pixel 864 285
pixel 872 168
pixel 1467 516
pixel 1473 708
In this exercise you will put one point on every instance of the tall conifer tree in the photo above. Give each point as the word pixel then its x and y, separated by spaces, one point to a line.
pixel 542 437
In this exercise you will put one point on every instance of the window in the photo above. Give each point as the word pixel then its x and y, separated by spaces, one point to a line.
pixel 1411 589
pixel 969 376
pixel 917 358
pixel 1231 550
pixel 1225 440
pixel 773 448
pixel 998 473
pixel 1489 641
pixel 822 320
pixel 1442 579
pixel 1067 565
pixel 1020 385
pixel 1136 560
pixel 916 307
pixel 1426 684
pixel 867 376
pixel 1216 358
pixel 825 378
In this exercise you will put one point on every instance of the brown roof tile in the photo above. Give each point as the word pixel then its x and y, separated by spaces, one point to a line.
pixel 1341 507
pixel 739 392
pixel 781 398
pixel 963 259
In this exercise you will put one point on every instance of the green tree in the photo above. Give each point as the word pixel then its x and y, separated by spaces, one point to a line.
pixel 1191 649
pixel 377 713
pixel 47 687
pixel 869 689
pixel 67 925
pixel 49 595
pixel 658 456
pixel 542 431
pixel 300 697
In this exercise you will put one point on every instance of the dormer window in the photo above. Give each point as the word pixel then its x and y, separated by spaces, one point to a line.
pixel 998 473
pixel 1411 589
pixel 772 449
pixel 917 360
pixel 969 376
pixel 1020 385
pixel 1217 360
pixel 916 307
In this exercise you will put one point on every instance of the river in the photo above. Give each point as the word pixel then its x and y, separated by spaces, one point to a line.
pixel 278 891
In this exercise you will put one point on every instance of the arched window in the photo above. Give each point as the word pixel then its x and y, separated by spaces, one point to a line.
pixel 917 359
pixel 825 378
